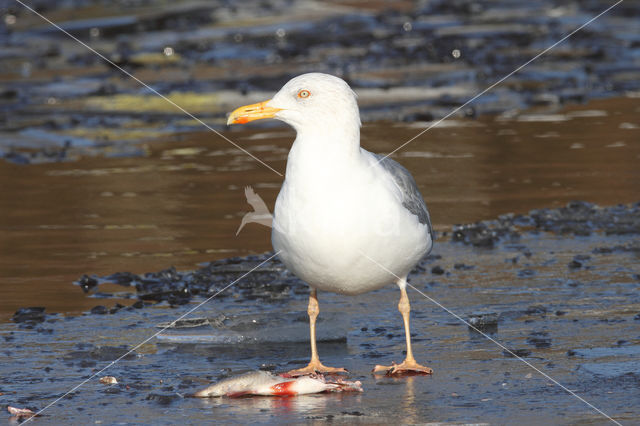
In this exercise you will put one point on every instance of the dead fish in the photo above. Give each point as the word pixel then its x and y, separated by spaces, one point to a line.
pixel 20 412
pixel 266 383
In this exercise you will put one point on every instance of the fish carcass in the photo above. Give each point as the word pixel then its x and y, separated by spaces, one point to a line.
pixel 266 383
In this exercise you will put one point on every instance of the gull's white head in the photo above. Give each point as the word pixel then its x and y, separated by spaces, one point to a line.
pixel 310 102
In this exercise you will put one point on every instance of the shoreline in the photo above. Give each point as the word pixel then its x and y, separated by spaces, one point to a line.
pixel 175 288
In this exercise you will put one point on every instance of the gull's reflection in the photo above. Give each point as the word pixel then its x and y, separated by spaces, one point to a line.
pixel 409 402
pixel 411 405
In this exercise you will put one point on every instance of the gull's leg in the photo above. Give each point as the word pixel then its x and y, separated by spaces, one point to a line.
pixel 315 366
pixel 409 365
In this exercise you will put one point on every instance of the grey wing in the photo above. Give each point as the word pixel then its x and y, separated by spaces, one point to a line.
pixel 411 198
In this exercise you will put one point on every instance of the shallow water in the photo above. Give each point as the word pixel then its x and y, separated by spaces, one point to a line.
pixel 182 201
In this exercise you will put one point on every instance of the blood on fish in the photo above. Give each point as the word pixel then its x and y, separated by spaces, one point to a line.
pixel 284 389
pixel 242 120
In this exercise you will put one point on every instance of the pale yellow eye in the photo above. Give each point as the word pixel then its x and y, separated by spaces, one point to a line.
pixel 304 94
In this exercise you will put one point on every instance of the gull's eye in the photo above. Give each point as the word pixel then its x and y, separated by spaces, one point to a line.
pixel 304 94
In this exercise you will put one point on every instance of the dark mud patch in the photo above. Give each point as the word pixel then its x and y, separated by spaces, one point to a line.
pixel 271 282
pixel 30 316
pixel 87 356
pixel 486 322
pixel 578 218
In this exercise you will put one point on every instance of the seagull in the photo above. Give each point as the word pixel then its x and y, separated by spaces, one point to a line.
pixel 260 213
pixel 346 220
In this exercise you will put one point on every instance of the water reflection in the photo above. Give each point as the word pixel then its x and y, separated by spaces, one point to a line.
pixel 409 410
pixel 182 203
pixel 311 406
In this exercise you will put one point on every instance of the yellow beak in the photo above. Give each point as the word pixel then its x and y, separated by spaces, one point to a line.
pixel 251 112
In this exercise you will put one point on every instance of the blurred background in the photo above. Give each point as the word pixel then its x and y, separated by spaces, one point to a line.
pixel 98 174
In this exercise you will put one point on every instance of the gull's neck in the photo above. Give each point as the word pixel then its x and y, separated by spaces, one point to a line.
pixel 330 135
pixel 324 150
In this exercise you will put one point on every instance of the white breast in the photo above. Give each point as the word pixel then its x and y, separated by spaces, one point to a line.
pixel 329 218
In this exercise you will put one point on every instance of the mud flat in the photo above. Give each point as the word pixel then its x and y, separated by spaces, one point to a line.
pixel 558 287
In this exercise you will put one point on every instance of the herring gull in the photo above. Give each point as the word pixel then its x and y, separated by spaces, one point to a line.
pixel 346 220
